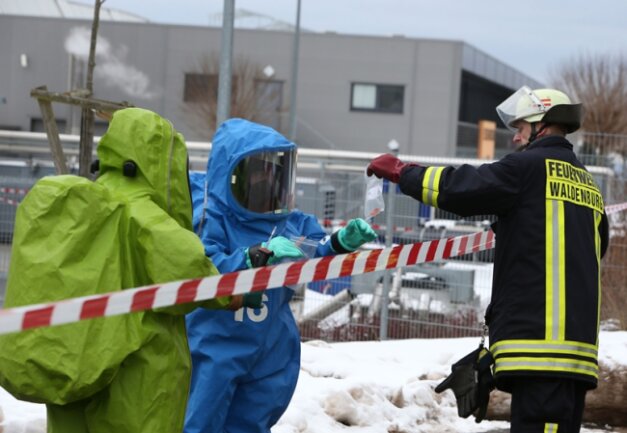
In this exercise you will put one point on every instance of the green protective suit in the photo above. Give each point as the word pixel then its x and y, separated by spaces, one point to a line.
pixel 74 237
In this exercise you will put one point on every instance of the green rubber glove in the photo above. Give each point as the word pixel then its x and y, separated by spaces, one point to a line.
pixel 356 233
pixel 283 249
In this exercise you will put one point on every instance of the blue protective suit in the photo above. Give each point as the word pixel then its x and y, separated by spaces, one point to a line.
pixel 245 363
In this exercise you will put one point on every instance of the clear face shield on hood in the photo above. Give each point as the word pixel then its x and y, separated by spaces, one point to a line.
pixel 264 182
pixel 523 104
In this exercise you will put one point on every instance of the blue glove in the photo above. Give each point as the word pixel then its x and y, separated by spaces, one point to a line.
pixel 282 249
pixel 356 233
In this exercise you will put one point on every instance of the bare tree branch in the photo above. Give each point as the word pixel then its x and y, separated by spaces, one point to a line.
pixel 600 82
pixel 249 99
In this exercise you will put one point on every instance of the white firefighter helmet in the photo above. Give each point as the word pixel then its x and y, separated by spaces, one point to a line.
pixel 546 105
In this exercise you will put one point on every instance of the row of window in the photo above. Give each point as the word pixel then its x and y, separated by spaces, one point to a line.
pixel 37 125
pixel 381 98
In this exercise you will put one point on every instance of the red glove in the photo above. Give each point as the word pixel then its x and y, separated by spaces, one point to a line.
pixel 388 167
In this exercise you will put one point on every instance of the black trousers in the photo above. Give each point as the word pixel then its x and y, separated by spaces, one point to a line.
pixel 547 405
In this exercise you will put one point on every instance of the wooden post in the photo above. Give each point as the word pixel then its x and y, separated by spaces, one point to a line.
pixel 100 107
pixel 87 115
pixel 50 124
pixel 86 144
pixel 82 98
pixel 486 139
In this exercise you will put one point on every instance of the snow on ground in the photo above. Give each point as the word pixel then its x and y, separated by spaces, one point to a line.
pixel 388 386
pixel 21 416
pixel 373 387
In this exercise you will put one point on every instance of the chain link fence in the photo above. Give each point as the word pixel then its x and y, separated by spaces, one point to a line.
pixel 434 300
pixel 444 299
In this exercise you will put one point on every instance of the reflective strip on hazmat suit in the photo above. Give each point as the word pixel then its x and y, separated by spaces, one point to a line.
pixel 74 237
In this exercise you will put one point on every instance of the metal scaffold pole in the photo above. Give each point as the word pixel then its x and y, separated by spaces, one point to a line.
pixel 226 54
pixel 389 233
pixel 294 80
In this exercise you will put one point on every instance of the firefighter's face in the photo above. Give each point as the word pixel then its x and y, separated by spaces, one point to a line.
pixel 523 132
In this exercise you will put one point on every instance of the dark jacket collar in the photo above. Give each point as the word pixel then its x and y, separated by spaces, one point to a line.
pixel 551 140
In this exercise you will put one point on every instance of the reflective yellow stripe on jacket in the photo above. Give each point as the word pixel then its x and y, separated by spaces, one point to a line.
pixel 555 321
pixel 560 356
pixel 597 243
pixel 550 427
pixel 431 185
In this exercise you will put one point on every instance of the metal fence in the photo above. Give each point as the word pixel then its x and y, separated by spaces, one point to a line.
pixel 443 299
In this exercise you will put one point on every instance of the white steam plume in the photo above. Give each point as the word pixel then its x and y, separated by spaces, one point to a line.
pixel 110 66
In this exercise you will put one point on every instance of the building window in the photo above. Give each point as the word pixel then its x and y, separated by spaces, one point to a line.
pixel 268 102
pixel 204 87
pixel 37 125
pixel 383 98
pixel 200 87
pixel 100 128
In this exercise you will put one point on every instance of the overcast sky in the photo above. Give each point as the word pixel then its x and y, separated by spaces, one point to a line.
pixel 533 36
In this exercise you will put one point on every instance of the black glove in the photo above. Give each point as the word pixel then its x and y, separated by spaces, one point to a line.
pixel 256 257
pixel 253 300
pixel 471 381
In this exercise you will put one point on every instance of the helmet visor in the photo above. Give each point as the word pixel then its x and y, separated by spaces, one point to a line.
pixel 523 104
pixel 264 182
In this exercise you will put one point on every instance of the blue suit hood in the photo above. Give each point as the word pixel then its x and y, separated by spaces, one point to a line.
pixel 234 140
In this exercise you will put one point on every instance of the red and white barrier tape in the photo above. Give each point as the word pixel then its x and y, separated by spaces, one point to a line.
pixel 235 283
pixel 614 208
pixel 9 201
pixel 180 292
pixel 8 190
pixel 12 191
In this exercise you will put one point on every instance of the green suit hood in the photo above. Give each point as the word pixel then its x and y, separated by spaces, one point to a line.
pixel 159 155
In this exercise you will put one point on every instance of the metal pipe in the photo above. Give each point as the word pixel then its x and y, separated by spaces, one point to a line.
pixel 294 80
pixel 35 139
pixel 389 233
pixel 226 53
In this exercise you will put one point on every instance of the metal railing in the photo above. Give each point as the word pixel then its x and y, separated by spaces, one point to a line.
pixel 435 300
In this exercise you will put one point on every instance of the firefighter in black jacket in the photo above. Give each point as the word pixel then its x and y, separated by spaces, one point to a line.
pixel 551 234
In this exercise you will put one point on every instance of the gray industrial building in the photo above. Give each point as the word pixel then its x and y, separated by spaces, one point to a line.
pixel 353 92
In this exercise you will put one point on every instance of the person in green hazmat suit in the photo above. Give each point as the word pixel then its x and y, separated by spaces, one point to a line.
pixel 74 237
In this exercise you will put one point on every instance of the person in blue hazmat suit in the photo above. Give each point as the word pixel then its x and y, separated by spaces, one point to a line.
pixel 245 363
